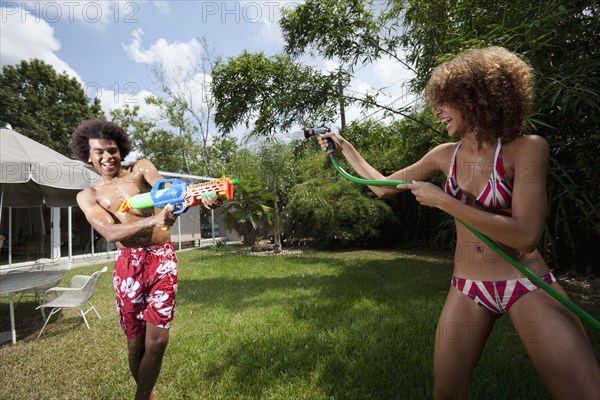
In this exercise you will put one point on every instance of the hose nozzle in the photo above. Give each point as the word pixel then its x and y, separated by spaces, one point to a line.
pixel 313 132
pixel 310 132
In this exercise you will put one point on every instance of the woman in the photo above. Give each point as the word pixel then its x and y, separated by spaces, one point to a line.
pixel 496 183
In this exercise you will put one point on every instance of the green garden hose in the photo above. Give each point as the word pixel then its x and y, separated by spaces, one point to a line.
pixel 584 315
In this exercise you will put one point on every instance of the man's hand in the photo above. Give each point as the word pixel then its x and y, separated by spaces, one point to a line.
pixel 212 202
pixel 165 218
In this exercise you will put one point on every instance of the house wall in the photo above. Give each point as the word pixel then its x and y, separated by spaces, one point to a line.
pixel 31 232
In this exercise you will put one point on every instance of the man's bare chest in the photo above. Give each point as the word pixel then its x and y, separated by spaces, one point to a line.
pixel 111 196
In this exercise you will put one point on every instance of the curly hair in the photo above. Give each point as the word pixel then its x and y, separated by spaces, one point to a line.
pixel 98 129
pixel 492 88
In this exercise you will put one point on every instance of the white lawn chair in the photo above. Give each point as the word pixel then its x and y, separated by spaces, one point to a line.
pixel 43 264
pixel 82 288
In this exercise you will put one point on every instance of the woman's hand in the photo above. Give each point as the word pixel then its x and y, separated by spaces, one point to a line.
pixel 426 193
pixel 337 140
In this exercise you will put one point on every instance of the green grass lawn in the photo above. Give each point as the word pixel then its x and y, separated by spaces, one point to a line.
pixel 316 325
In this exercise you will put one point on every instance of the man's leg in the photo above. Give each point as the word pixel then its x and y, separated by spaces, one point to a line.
pixel 135 349
pixel 161 285
pixel 150 362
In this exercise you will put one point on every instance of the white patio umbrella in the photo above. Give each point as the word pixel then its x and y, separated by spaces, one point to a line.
pixel 32 174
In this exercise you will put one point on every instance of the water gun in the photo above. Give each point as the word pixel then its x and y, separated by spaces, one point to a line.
pixel 181 195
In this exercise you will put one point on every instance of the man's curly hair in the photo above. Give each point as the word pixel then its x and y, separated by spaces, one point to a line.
pixel 492 88
pixel 98 129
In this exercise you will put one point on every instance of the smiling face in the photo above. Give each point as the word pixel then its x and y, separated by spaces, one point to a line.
pixel 452 119
pixel 105 157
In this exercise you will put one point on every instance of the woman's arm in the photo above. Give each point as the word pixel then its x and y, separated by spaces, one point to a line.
pixel 521 230
pixel 423 169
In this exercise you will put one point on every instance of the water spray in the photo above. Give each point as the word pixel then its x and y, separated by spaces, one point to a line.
pixel 580 312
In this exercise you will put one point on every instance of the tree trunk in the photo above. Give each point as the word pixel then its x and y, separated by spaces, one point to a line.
pixel 277 236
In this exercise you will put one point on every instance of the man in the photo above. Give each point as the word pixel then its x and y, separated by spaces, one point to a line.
pixel 145 272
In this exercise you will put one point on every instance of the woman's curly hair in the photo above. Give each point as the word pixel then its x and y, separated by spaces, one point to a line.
pixel 492 88
pixel 98 129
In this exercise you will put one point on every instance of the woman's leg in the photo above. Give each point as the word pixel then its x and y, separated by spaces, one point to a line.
pixel 557 345
pixel 462 332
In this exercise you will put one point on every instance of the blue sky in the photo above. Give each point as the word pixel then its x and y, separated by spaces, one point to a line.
pixel 109 46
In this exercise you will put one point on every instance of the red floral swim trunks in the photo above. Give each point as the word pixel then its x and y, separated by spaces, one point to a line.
pixel 145 281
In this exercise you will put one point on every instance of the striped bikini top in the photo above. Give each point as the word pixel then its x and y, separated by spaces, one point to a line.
pixel 496 194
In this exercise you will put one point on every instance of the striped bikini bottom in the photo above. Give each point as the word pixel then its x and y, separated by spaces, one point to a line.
pixel 498 296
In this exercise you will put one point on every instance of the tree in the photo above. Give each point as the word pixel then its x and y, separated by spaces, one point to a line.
pixel 354 33
pixel 333 211
pixel 43 105
pixel 222 150
pixel 248 212
pixel 169 152
pixel 272 93
pixel 275 93
pixel 276 167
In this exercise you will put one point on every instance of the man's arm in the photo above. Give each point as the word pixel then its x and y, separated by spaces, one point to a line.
pixel 149 171
pixel 104 223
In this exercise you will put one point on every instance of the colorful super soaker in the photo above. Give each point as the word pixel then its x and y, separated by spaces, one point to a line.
pixel 180 195
pixel 580 312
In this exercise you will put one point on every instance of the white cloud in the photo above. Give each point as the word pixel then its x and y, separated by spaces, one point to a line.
pixel 271 32
pixel 23 37
pixel 270 13
pixel 176 57
pixel 387 70
pixel 392 75
pixel 112 100
pixel 331 66
pixel 180 63
pixel 358 89
pixel 386 78
pixel 265 12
